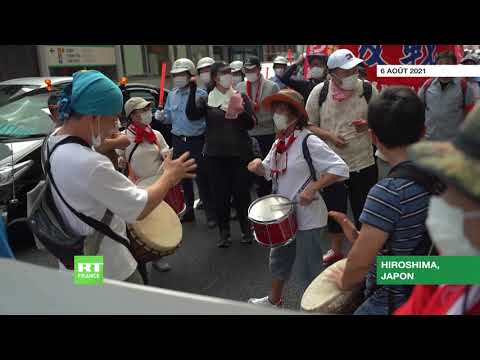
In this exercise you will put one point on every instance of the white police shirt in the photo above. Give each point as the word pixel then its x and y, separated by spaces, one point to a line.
pixel 290 184
pixel 90 184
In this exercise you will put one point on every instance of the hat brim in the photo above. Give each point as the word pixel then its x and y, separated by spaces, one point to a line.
pixel 139 106
pixel 204 66
pixel 251 67
pixel 448 163
pixel 268 101
pixel 351 64
pixel 179 70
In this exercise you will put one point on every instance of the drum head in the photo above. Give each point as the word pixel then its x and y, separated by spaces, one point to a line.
pixel 323 295
pixel 269 209
pixel 161 230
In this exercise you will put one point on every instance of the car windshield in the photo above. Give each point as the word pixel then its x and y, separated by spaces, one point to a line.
pixel 26 116
pixel 9 91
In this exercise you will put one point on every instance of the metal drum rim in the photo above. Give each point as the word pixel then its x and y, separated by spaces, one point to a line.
pixel 287 215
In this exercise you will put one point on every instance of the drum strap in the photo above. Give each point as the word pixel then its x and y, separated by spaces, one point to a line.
pixel 97 225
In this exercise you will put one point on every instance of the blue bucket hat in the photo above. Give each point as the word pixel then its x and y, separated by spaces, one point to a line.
pixel 90 93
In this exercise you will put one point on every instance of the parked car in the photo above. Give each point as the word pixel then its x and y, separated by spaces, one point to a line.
pixel 24 123
pixel 149 93
pixel 11 89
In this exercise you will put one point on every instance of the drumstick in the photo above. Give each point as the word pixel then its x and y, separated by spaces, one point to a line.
pixel 280 206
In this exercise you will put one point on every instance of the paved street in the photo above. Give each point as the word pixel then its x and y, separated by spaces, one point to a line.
pixel 236 273
pixel 200 267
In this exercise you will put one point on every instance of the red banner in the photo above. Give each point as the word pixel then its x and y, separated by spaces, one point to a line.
pixel 391 55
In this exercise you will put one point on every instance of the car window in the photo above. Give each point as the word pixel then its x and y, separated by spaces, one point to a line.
pixel 26 116
pixel 147 95
pixel 9 91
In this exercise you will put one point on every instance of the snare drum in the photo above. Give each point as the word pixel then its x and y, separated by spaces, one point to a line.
pixel 174 197
pixel 156 236
pixel 323 295
pixel 274 221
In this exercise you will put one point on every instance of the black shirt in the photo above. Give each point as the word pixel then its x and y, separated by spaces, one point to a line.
pixel 304 87
pixel 224 137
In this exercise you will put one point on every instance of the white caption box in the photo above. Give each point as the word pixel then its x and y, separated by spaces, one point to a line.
pixel 428 70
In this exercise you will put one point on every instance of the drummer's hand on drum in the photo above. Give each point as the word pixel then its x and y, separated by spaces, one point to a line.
pixel 335 274
pixel 308 195
pixel 178 169
pixel 348 227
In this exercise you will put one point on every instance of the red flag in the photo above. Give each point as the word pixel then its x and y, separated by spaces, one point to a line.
pixel 289 56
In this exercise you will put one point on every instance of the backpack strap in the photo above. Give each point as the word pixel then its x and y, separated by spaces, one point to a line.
pixel 464 85
pixel 367 90
pixel 323 93
pixel 95 224
pixel 131 152
pixel 406 170
pixel 308 157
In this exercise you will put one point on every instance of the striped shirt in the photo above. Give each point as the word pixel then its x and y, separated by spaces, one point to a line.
pixel 398 207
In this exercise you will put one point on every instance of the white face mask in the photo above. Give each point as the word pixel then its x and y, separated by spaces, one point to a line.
pixel 205 77
pixel 279 72
pixel 349 82
pixel 252 77
pixel 317 72
pixel 237 79
pixel 445 226
pixel 96 140
pixel 180 82
pixel 281 121
pixel 226 81
pixel 146 117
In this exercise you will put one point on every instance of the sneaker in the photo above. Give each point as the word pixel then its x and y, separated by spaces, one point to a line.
pixel 264 302
pixel 224 242
pixel 161 265
pixel 331 257
pixel 246 238
pixel 212 224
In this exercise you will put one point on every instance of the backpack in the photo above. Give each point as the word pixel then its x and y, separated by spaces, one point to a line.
pixel 367 92
pixel 46 223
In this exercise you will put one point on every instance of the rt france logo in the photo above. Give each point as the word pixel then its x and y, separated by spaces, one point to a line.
pixel 88 270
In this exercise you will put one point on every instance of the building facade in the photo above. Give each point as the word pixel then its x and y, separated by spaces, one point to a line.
pixel 137 62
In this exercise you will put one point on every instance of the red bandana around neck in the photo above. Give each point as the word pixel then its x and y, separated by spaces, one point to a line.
pixel 257 94
pixel 281 154
pixel 339 94
pixel 143 133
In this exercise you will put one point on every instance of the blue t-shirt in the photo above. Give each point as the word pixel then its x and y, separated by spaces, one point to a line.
pixel 398 207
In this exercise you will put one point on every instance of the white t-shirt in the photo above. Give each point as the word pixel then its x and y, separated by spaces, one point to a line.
pixel 147 158
pixel 90 184
pixel 324 161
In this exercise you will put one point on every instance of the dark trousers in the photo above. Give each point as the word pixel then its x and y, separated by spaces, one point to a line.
pixel 356 189
pixel 231 179
pixel 195 146
pixel 264 186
